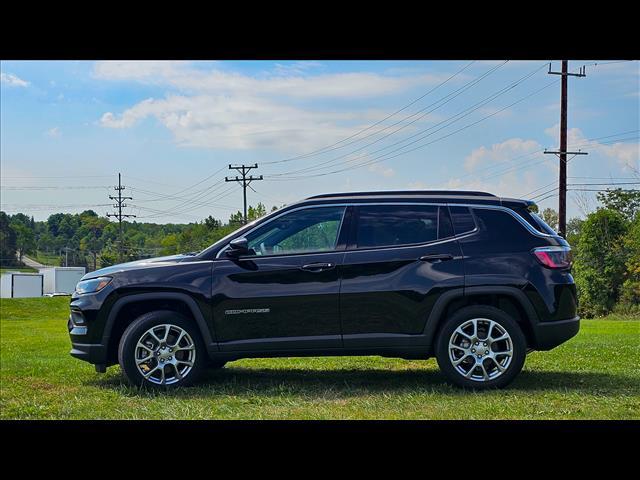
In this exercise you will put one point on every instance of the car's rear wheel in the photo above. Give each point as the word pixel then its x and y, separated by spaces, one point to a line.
pixel 481 347
pixel 162 349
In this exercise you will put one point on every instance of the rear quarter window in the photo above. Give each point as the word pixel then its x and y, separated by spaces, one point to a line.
pixel 501 227
pixel 535 221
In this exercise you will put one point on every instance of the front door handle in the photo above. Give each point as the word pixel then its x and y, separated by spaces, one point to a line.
pixel 317 267
pixel 436 257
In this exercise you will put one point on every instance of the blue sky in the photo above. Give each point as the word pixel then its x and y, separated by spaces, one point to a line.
pixel 68 127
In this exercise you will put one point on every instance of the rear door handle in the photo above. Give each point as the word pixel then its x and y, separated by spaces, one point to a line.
pixel 317 267
pixel 436 257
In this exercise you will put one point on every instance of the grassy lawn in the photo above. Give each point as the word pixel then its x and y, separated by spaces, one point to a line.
pixel 46 258
pixel 18 269
pixel 596 375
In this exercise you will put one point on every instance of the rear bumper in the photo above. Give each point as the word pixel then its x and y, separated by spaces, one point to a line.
pixel 549 335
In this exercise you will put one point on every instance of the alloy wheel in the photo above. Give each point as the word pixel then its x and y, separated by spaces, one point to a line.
pixel 165 354
pixel 480 349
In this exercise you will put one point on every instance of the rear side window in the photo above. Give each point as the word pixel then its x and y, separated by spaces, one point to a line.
pixel 389 225
pixel 535 221
pixel 500 227
pixel 462 220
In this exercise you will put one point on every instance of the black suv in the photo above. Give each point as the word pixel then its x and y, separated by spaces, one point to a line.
pixel 475 280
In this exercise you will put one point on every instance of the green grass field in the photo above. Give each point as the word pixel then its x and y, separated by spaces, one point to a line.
pixel 18 269
pixel 595 375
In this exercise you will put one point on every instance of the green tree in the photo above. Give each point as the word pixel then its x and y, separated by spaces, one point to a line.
pixel 599 267
pixel 7 241
pixel 627 202
pixel 25 239
pixel 550 216
pixel 574 227
pixel 630 292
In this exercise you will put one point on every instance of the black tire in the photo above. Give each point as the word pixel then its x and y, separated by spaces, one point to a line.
pixel 134 332
pixel 519 345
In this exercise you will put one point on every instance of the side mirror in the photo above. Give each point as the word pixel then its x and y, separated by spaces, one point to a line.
pixel 238 247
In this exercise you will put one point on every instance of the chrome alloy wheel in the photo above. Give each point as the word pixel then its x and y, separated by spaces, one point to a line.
pixel 165 354
pixel 480 349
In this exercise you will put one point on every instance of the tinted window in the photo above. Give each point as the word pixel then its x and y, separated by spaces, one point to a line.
pixel 536 221
pixel 445 229
pixel 308 230
pixel 500 227
pixel 462 220
pixel 387 225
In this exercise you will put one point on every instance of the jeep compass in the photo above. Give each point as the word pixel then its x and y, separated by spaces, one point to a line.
pixel 475 280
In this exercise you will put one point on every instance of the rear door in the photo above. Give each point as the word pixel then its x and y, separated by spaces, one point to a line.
pixel 401 258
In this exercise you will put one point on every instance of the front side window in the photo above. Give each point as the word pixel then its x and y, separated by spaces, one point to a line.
pixel 307 230
pixel 388 225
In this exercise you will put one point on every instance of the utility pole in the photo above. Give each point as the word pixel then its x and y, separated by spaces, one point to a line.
pixel 562 153
pixel 120 205
pixel 244 180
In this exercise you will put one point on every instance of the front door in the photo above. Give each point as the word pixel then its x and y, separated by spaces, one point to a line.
pixel 402 258
pixel 284 295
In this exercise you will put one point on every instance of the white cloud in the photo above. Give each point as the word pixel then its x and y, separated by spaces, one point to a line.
pixel 500 152
pixel 383 170
pixel 214 108
pixel 137 70
pixel 12 80
pixel 53 132
pixel 296 68
pixel 238 123
pixel 417 185
pixel 626 154
pixel 183 76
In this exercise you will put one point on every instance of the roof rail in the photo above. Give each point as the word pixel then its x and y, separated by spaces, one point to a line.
pixel 459 193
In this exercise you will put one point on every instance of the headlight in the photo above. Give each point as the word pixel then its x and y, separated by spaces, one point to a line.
pixel 92 286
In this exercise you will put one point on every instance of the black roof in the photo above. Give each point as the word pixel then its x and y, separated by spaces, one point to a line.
pixel 405 193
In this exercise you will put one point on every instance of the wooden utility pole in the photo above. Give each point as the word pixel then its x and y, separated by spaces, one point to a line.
pixel 120 205
pixel 562 153
pixel 244 181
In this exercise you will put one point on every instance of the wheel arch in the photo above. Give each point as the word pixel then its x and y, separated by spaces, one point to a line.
pixel 129 307
pixel 509 299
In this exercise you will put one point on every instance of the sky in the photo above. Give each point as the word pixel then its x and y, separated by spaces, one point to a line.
pixel 172 128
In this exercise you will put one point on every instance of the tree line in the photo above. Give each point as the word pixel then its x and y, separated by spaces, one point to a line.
pixel 605 245
pixel 88 240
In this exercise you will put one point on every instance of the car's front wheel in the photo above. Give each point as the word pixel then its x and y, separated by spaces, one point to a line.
pixel 481 347
pixel 162 349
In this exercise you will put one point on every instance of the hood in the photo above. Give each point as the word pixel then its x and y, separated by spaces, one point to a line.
pixel 145 263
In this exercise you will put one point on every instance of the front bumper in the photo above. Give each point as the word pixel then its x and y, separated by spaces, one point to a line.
pixel 94 353
pixel 549 335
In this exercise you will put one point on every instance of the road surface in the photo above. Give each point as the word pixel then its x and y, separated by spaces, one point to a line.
pixel 31 263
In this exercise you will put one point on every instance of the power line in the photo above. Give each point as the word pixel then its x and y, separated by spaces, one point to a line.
pixel 452 119
pixel 330 147
pixel 387 157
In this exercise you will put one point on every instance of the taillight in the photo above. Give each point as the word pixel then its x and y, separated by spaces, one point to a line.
pixel 554 257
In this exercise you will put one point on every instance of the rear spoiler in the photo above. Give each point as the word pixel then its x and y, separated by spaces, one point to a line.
pixel 519 203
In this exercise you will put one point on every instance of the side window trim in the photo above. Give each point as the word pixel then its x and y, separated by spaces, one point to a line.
pixel 520 220
pixel 351 222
